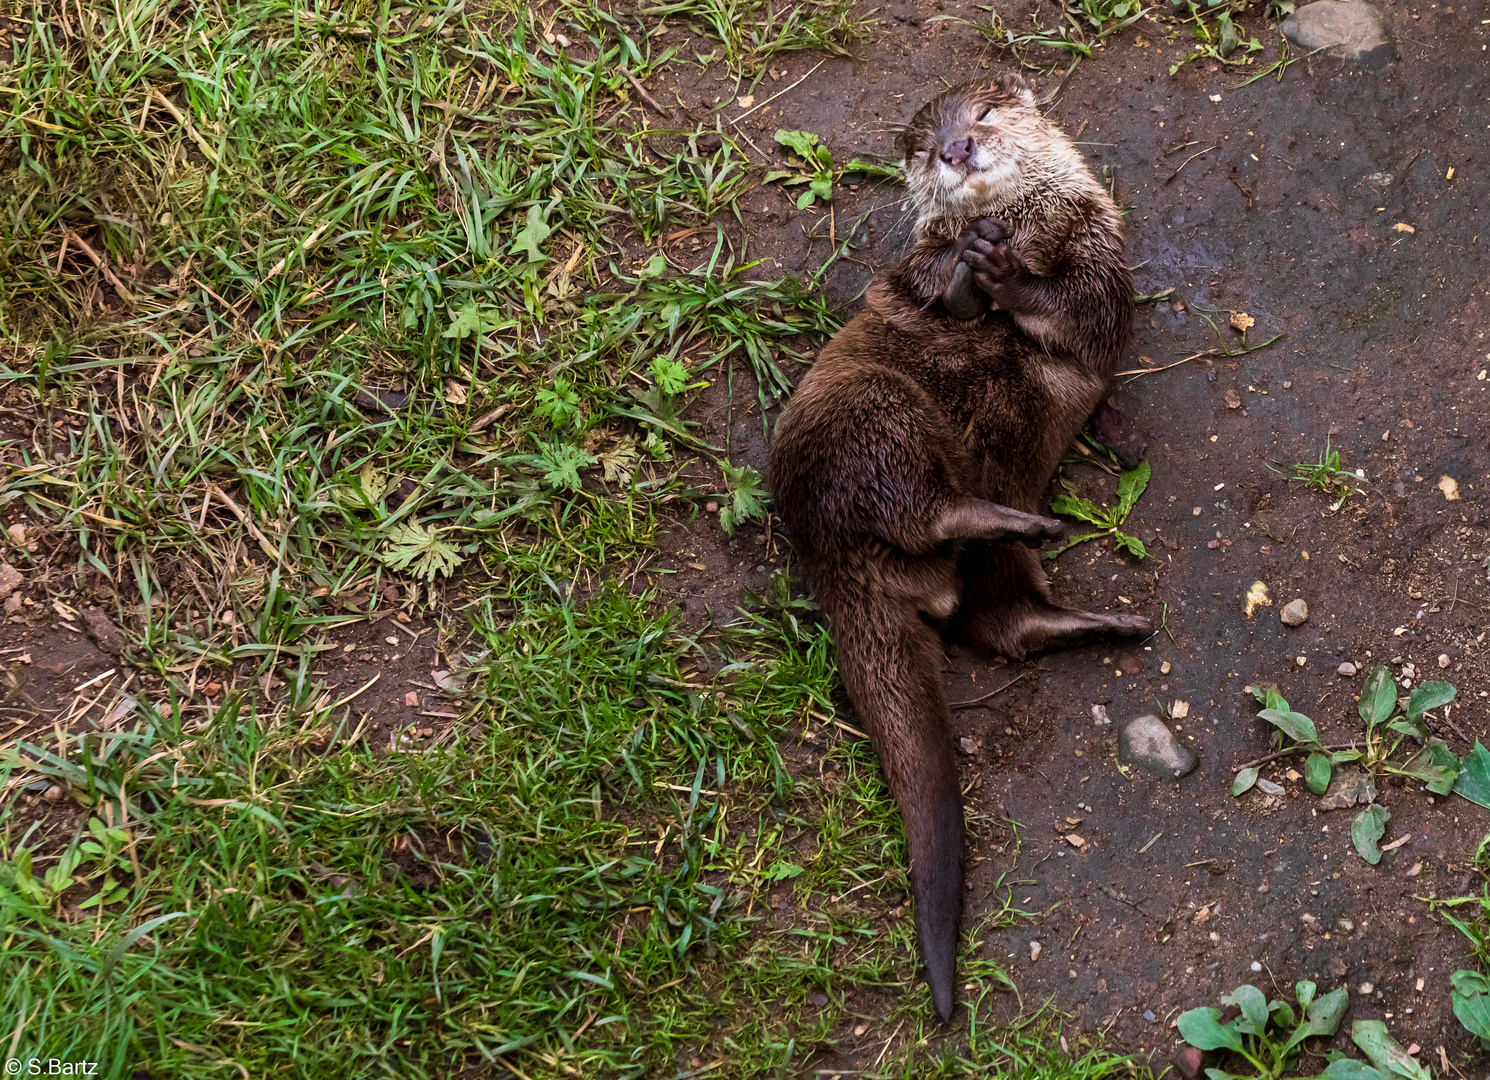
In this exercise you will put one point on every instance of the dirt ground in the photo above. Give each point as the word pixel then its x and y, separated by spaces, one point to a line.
pixel 1291 215
pixel 1291 212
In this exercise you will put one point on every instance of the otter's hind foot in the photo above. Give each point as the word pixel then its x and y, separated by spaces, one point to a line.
pixel 978 519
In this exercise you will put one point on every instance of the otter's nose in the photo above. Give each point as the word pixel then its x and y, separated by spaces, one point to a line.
pixel 957 151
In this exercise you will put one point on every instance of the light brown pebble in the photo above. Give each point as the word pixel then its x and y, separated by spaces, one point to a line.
pixel 711 507
pixel 52 794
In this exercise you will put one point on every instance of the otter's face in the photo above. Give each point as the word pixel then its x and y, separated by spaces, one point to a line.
pixel 965 151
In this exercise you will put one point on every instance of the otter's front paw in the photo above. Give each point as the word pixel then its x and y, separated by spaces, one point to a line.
pixel 989 230
pixel 995 265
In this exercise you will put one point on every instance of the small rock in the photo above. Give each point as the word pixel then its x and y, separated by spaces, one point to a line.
pixel 1294 613
pixel 103 632
pixel 1099 715
pixel 1443 659
pixel 711 507
pixel 969 746
pixel 10 580
pixel 1345 925
pixel 1188 1061
pixel 1269 787
pixel 1365 988
pixel 1130 664
pixel 1351 29
pixel 52 794
pixel 860 1029
pixel 819 1000
pixel 1034 951
pixel 1148 1014
pixel 13 603
pixel 1147 742
pixel 1349 787
pixel 1256 966
pixel 709 142
pixel 1165 668
pixel 411 699
pixel 1347 669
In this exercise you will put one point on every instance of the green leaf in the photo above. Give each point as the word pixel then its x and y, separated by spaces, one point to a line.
pixel 1317 770
pixel 1416 728
pixel 1474 776
pixel 671 376
pixel 655 267
pixel 1303 992
pixel 1079 508
pixel 1244 781
pixel 1429 695
pixel 1471 998
pixel 558 405
pixel 468 321
pixel 1254 1006
pixel 1341 757
pixel 1131 544
pixel 1202 1028
pixel 420 550
pixel 822 188
pixel 746 496
pixel 1230 39
pixel 534 232
pixel 1385 1052
pixel 778 174
pixel 1378 698
pixel 806 199
pixel 1130 487
pixel 1296 726
pixel 561 464
pixel 1436 765
pixel 1323 1015
pixel 801 142
pixel 1350 1069
pixel 1367 828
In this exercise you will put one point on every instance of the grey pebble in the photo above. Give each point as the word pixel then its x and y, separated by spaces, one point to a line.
pixel 1148 743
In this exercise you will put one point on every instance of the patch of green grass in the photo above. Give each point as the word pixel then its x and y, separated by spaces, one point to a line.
pixel 1326 475
pixel 754 32
pixel 306 301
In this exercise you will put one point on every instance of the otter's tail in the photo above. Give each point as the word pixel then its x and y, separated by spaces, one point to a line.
pixel 891 664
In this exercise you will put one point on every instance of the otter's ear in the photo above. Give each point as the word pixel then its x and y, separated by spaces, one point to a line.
pixel 1016 86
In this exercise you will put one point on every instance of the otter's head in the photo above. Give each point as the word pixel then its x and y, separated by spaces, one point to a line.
pixel 976 148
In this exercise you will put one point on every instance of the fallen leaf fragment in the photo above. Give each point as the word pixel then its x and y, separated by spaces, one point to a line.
pixel 1233 399
pixel 1240 320
pixel 1395 844
pixel 745 101
pixel 1450 488
pixel 1402 226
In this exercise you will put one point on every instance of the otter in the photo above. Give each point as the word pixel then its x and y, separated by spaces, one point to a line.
pixel 909 465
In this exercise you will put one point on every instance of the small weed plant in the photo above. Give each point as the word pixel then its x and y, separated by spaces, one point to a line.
pixel 1325 475
pixel 1108 520
pixel 1270 1036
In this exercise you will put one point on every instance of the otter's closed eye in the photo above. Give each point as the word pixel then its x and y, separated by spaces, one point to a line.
pixel 920 153
pixel 989 116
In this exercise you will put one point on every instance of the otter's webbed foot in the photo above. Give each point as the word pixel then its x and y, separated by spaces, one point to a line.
pixel 964 298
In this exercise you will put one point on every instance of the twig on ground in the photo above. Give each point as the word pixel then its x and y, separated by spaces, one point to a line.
pixel 991 693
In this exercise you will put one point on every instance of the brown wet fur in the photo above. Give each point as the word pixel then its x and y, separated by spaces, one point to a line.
pixel 909 466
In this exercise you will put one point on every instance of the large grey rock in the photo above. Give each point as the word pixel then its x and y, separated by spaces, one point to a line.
pixel 1351 29
pixel 1149 744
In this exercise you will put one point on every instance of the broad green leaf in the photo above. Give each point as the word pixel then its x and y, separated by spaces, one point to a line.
pixel 1202 1028
pixel 1471 998
pixel 1244 781
pixel 1296 726
pixel 1416 728
pixel 1435 765
pixel 1378 698
pixel 1351 1069
pixel 1131 544
pixel 799 142
pixel 1283 1014
pixel 1367 829
pixel 1254 1006
pixel 1340 757
pixel 1130 487
pixel 1474 776
pixel 1317 770
pixel 806 199
pixel 778 174
pixel 1323 1015
pixel 1385 1052
pixel 822 188
pixel 1429 695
